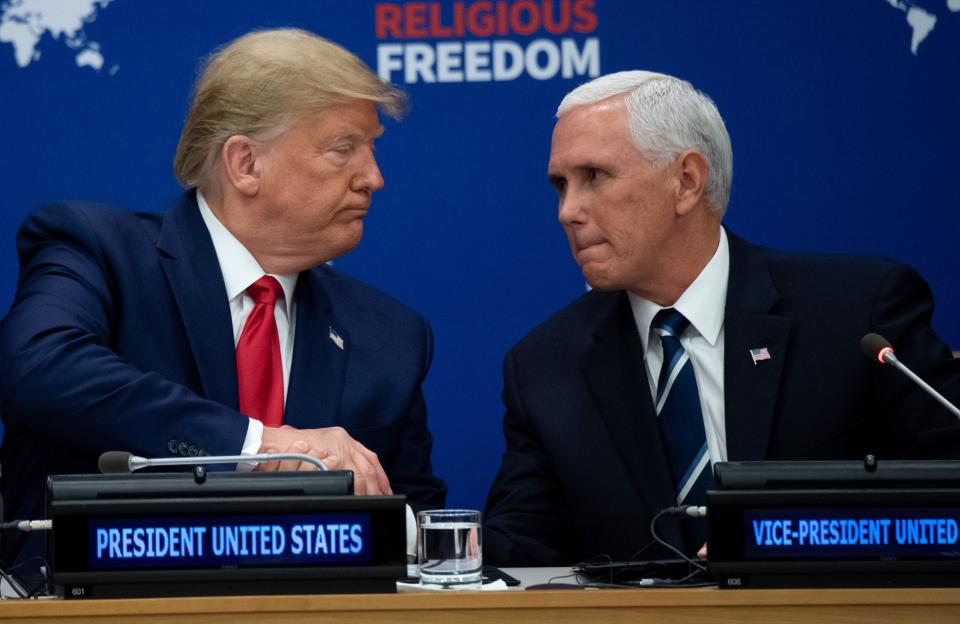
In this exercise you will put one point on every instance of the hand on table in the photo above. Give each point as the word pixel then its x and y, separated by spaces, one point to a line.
pixel 335 447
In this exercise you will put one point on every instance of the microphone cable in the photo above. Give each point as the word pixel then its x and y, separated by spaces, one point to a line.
pixel 25 526
pixel 696 568
pixel 688 511
pixel 20 587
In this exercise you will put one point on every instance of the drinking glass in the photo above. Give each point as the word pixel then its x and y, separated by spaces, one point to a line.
pixel 449 548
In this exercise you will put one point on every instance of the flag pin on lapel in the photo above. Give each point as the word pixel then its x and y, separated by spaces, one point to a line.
pixel 759 354
pixel 336 339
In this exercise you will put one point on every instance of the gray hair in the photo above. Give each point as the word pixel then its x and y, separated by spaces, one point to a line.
pixel 666 116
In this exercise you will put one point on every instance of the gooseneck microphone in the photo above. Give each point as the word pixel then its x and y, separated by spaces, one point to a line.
pixel 122 462
pixel 877 347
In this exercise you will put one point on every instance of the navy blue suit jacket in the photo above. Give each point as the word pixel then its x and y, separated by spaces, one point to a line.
pixel 120 337
pixel 585 470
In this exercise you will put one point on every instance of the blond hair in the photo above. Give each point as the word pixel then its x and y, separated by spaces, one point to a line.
pixel 264 80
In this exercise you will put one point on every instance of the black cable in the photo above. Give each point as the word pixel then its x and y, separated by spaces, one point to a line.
pixel 637 554
pixel 34 592
pixel 671 547
pixel 10 527
pixel 562 576
pixel 668 584
pixel 41 568
pixel 26 526
pixel 697 569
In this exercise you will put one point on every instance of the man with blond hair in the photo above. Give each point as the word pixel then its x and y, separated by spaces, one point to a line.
pixel 693 347
pixel 216 328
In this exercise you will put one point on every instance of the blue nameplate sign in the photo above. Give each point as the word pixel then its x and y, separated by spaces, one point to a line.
pixel 231 533
pixel 835 524
pixel 851 532
pixel 275 540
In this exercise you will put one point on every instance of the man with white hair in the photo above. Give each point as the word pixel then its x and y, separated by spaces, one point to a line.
pixel 693 347
pixel 216 328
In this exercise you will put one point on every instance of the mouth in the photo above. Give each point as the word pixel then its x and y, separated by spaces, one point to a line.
pixel 584 247
pixel 357 212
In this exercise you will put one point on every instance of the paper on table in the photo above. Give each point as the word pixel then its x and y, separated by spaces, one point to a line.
pixel 497 585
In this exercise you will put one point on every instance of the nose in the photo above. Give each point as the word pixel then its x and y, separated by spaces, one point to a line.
pixel 368 176
pixel 571 208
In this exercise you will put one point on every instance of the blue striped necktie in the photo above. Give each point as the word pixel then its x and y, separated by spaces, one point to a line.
pixel 681 421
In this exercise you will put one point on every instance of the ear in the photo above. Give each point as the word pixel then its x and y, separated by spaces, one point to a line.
pixel 692 170
pixel 239 155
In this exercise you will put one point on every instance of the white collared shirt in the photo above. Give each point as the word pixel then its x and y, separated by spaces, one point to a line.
pixel 240 269
pixel 702 303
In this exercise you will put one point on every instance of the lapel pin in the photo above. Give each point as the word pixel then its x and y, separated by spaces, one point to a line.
pixel 337 340
pixel 759 354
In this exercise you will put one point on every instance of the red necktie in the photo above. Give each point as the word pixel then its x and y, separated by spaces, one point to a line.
pixel 259 369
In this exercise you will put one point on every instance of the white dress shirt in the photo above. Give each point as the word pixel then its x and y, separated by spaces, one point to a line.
pixel 240 269
pixel 702 303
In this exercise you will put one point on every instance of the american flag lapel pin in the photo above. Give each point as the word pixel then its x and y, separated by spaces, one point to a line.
pixel 759 354
pixel 336 339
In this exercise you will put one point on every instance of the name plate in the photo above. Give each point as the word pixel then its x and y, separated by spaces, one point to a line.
pixel 226 543
pixel 850 532
pixel 835 538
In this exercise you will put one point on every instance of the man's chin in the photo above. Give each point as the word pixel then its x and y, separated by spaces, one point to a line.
pixel 601 287
pixel 332 249
pixel 599 279
pixel 348 246
pixel 596 281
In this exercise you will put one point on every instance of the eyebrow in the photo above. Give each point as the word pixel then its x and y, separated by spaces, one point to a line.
pixel 357 136
pixel 585 166
pixel 591 165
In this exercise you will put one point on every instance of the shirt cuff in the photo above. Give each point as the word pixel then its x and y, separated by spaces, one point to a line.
pixel 411 534
pixel 251 444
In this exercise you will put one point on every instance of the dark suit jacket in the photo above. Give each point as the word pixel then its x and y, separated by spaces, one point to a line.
pixel 120 337
pixel 585 470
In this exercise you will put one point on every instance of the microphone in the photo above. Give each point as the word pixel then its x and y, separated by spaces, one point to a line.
pixel 122 462
pixel 876 346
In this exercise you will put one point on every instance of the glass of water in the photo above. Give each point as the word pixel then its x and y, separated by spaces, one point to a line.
pixel 449 548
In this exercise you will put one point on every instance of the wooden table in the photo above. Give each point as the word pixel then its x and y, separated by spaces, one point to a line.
pixel 706 605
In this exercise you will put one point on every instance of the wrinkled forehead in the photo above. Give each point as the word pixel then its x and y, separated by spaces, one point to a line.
pixel 591 126
pixel 607 107
pixel 356 119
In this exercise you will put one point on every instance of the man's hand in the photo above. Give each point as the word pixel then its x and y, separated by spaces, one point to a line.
pixel 335 447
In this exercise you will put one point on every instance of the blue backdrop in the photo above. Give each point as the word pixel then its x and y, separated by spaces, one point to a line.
pixel 844 116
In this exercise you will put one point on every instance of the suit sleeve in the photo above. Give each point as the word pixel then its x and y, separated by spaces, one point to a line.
pixel 411 473
pixel 918 425
pixel 61 377
pixel 526 520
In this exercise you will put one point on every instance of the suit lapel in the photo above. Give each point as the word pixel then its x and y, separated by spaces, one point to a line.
pixel 190 264
pixel 319 362
pixel 751 389
pixel 615 373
